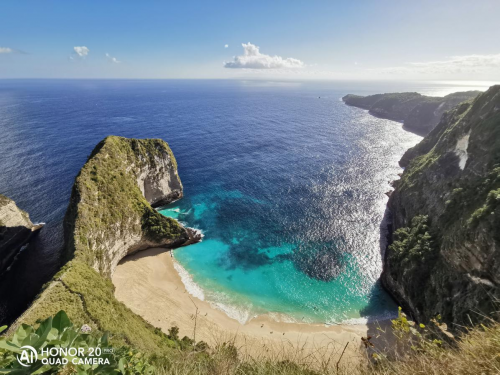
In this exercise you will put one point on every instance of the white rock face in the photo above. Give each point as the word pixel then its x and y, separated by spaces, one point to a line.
pixel 126 243
pixel 12 216
pixel 160 184
pixel 461 150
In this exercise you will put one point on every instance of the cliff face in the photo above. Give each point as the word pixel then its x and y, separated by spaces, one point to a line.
pixel 419 113
pixel 110 213
pixel 445 257
pixel 16 229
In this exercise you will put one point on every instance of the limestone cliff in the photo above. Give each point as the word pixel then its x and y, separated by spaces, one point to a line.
pixel 110 216
pixel 16 229
pixel 445 255
pixel 419 113
pixel 110 213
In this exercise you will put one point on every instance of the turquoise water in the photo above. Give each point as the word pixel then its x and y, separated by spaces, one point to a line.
pixel 276 287
pixel 290 198
pixel 286 182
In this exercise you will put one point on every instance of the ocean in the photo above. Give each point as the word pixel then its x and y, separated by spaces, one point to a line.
pixel 286 182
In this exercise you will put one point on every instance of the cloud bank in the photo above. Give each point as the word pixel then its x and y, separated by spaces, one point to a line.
pixel 451 65
pixel 81 51
pixel 253 59
pixel 6 50
pixel 112 59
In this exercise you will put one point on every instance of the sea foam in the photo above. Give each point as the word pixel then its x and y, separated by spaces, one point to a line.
pixel 388 315
pixel 241 315
pixel 191 287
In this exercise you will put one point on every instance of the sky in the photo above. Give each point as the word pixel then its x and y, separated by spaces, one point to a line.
pixel 350 40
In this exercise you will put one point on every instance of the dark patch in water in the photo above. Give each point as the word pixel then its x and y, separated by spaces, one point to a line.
pixel 322 262
pixel 245 256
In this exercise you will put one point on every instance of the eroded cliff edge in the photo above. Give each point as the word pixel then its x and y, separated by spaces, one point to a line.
pixel 109 216
pixel 419 113
pixel 445 255
pixel 16 229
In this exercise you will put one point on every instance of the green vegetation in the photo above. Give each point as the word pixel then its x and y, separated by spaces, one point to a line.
pixel 60 334
pixel 492 202
pixel 413 243
pixel 419 113
pixel 57 332
pixel 426 349
pixel 454 272
pixel 413 256
pixel 430 349
pixel 156 228
pixel 88 298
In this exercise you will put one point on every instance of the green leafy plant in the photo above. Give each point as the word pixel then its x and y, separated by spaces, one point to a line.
pixel 56 335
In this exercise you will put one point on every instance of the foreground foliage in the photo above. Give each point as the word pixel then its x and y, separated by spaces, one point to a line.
pixel 59 333
pixel 417 349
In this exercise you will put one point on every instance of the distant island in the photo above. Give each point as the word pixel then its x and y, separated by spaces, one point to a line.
pixel 419 113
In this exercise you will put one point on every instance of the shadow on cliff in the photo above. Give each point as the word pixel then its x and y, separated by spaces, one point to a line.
pixel 379 328
pixel 379 331
pixel 30 268
pixel 151 252
pixel 11 241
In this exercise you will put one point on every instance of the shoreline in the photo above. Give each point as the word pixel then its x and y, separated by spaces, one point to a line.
pixel 231 312
pixel 148 283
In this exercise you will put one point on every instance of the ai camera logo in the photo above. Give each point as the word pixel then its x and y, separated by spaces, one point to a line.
pixel 28 356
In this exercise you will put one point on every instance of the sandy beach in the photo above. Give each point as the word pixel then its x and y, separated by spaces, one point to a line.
pixel 149 285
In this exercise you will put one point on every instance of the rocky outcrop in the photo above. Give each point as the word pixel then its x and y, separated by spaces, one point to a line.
pixel 110 216
pixel 110 213
pixel 445 255
pixel 419 113
pixel 16 229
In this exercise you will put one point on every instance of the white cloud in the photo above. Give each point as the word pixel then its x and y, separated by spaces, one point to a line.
pixel 226 45
pixel 6 50
pixel 451 65
pixel 253 59
pixel 112 59
pixel 81 51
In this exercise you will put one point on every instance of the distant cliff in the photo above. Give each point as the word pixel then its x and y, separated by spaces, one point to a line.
pixel 110 216
pixel 419 113
pixel 445 255
pixel 16 229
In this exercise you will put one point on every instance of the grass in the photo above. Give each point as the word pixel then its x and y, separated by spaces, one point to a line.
pixel 420 352
pixel 476 353
pixel 88 298
pixel 416 349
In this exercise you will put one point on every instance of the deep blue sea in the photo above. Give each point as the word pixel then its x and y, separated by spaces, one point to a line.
pixel 286 182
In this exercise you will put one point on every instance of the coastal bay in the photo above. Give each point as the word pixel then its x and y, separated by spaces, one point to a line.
pixel 149 284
